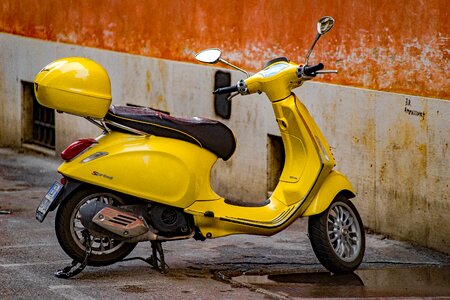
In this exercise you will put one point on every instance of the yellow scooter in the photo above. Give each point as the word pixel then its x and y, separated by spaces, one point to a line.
pixel 147 177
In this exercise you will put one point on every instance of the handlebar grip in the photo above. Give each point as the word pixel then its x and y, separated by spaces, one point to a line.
pixel 310 70
pixel 226 90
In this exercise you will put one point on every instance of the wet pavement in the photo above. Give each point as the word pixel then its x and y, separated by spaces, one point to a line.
pixel 235 267
pixel 364 283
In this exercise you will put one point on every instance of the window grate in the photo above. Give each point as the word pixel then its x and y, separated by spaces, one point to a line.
pixel 42 123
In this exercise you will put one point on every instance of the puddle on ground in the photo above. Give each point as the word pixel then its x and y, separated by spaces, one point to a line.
pixel 411 282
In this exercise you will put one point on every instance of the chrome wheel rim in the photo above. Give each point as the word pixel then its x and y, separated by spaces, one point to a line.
pixel 100 245
pixel 344 232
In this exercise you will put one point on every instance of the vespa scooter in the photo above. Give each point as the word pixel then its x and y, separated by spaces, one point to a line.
pixel 147 177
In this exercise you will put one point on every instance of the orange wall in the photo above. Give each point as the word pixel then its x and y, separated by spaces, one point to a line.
pixel 398 46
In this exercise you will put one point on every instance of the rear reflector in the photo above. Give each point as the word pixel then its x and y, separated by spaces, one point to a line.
pixel 76 148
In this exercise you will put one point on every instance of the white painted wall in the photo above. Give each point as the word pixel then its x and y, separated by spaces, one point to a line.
pixel 398 161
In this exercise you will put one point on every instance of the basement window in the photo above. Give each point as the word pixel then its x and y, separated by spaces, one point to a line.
pixel 275 161
pixel 38 122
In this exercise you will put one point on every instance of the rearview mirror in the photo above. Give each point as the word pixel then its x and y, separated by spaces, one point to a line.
pixel 213 55
pixel 209 56
pixel 324 25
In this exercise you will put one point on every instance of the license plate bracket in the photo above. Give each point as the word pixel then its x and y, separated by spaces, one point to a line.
pixel 49 198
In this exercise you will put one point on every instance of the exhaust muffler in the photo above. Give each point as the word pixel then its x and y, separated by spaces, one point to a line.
pixel 100 218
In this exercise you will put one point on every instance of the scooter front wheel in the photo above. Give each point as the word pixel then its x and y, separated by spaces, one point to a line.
pixel 337 236
pixel 105 250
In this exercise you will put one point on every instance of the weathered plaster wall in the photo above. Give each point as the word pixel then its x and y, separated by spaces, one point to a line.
pixel 396 46
pixel 393 147
pixel 395 150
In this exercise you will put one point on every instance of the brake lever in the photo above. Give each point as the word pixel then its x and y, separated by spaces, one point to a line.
pixel 232 96
pixel 326 72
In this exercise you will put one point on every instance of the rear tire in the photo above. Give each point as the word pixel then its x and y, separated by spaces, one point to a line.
pixel 337 236
pixel 105 250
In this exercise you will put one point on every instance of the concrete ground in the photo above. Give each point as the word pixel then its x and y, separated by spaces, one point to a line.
pixel 236 267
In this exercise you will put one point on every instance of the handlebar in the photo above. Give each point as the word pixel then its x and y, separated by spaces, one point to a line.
pixel 305 72
pixel 226 90
pixel 310 70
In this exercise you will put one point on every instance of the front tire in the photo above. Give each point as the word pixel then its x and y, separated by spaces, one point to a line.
pixel 68 227
pixel 337 236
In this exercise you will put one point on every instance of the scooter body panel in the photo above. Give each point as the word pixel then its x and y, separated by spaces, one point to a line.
pixel 164 170
pixel 305 163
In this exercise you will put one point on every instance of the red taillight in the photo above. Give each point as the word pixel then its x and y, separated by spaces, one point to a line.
pixel 63 181
pixel 74 149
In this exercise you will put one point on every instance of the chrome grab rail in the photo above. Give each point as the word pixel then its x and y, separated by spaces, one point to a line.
pixel 103 125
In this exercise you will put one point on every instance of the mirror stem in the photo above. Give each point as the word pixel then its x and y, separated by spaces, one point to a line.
pixel 233 66
pixel 312 47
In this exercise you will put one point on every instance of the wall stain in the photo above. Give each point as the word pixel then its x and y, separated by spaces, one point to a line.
pixel 423 149
pixel 148 81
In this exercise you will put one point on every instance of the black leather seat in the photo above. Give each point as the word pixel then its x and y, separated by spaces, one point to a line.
pixel 206 133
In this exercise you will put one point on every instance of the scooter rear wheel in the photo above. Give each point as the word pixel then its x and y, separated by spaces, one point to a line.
pixel 337 236
pixel 105 250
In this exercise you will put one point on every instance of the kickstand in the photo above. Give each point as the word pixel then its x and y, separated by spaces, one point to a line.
pixel 157 257
pixel 66 273
pixel 156 260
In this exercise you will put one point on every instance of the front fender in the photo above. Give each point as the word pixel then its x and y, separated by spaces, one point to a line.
pixel 333 185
